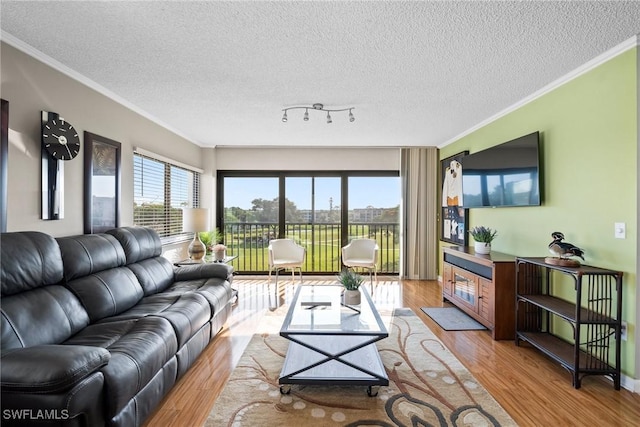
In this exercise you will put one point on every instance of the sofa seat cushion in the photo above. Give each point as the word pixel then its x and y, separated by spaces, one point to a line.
pixel 49 368
pixel 217 291
pixel 187 312
pixel 139 349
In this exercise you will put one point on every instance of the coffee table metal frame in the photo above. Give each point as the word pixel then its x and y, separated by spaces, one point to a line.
pixel 337 354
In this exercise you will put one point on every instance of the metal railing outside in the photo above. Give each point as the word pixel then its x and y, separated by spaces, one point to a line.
pixel 322 241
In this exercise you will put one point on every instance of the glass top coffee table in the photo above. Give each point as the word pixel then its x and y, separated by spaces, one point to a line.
pixel 332 344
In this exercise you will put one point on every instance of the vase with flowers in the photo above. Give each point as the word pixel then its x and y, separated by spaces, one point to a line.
pixel 483 237
pixel 219 252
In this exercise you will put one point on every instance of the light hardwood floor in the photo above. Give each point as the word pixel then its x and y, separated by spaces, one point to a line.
pixel 533 389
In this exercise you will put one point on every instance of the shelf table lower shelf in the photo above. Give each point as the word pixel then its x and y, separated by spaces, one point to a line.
pixel 564 353
pixel 330 371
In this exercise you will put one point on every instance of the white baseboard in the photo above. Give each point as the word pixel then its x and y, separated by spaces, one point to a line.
pixel 631 384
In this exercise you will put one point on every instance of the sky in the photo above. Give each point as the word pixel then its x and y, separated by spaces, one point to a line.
pixel 379 192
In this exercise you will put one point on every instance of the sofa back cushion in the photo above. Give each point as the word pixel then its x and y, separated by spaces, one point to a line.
pixel 143 251
pixel 95 272
pixel 36 309
pixel 154 274
pixel 90 253
pixel 47 315
pixel 30 260
pixel 139 243
pixel 107 293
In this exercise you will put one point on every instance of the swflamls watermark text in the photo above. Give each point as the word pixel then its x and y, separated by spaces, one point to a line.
pixel 35 414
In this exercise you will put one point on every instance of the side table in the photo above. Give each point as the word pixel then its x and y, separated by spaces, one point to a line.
pixel 207 260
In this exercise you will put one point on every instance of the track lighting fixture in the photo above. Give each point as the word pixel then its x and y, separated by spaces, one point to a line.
pixel 318 107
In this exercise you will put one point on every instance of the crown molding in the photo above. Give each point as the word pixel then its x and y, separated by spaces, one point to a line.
pixel 56 65
pixel 588 66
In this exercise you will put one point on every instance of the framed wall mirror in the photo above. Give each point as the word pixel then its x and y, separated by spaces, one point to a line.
pixel 101 183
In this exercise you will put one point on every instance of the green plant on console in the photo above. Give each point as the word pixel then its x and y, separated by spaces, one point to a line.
pixel 350 280
pixel 483 234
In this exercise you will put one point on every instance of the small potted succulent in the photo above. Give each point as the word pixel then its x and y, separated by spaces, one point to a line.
pixel 351 282
pixel 483 237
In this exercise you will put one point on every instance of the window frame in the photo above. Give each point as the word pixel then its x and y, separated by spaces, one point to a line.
pixel 168 222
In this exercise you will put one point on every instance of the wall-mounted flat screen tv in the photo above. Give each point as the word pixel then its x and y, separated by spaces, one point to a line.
pixel 507 174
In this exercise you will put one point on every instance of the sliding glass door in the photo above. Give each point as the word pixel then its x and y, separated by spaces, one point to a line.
pixel 251 214
pixel 322 211
pixel 312 218
pixel 374 213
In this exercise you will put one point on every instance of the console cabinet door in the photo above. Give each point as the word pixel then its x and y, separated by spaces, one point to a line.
pixel 487 300
pixel 465 288
pixel 447 279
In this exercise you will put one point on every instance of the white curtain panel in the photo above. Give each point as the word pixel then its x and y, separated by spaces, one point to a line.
pixel 419 173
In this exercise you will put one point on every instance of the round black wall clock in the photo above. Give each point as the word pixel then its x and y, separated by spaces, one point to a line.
pixel 60 139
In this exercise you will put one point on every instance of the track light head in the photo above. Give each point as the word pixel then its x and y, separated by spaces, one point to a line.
pixel 329 118
pixel 306 115
pixel 351 118
pixel 284 117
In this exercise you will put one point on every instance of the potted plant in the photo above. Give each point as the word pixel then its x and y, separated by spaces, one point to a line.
pixel 483 237
pixel 351 282
pixel 212 240
pixel 219 252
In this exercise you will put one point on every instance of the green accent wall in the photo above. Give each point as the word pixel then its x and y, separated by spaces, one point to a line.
pixel 589 155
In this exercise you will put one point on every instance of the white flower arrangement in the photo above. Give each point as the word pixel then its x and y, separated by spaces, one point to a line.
pixel 219 247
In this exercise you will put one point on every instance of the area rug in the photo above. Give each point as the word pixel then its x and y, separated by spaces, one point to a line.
pixel 452 319
pixel 428 386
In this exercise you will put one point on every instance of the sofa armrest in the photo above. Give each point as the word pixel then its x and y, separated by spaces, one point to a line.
pixel 204 271
pixel 49 368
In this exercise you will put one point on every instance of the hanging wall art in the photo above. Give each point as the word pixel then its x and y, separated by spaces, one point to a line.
pixel 453 217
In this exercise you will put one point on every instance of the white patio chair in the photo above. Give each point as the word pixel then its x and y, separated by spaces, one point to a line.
pixel 283 254
pixel 362 253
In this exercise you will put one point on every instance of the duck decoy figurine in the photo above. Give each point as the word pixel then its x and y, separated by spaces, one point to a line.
pixel 564 250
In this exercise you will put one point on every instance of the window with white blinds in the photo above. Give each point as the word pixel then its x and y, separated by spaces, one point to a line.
pixel 160 191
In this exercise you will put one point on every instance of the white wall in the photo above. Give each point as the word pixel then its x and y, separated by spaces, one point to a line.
pixel 30 86
pixel 303 159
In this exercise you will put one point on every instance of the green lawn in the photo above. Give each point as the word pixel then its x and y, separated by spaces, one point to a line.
pixel 321 242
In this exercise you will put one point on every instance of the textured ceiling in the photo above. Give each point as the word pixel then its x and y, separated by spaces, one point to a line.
pixel 417 73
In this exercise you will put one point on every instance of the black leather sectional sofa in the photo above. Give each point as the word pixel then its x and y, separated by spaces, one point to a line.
pixel 97 328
